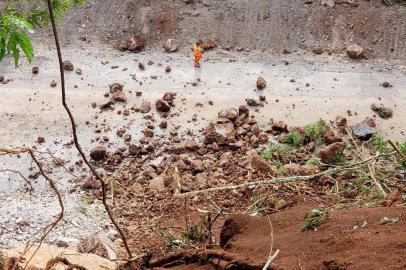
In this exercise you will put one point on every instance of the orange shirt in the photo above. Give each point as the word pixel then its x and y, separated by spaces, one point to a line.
pixel 197 52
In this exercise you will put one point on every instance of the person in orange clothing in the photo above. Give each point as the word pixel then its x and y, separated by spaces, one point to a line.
pixel 197 51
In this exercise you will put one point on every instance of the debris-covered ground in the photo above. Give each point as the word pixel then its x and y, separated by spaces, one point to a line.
pixel 214 168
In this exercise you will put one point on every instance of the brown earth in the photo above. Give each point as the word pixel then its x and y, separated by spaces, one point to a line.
pixel 340 243
pixel 272 26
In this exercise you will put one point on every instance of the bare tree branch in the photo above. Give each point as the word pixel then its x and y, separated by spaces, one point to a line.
pixel 74 133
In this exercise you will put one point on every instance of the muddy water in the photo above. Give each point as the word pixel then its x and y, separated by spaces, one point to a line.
pixel 301 92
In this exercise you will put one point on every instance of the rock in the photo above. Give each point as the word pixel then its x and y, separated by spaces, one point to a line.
pixel 317 50
pixel 157 183
pixel 297 169
pixel 35 70
pixel 116 87
pixel 219 133
pixel 330 153
pixel 67 65
pixel 355 51
pixel 134 149
pixel 119 96
pixel 171 45
pixel 191 145
pixel 53 83
pixel 382 111
pixel 198 166
pixel 243 111
pixel 341 122
pixel 91 183
pixel 328 3
pixel 141 66
pixel 386 84
pixel 280 126
pixel 163 124
pixel 148 133
pixel 169 96
pixel 134 44
pixel 258 164
pixel 99 244
pixel 230 114
pixel 145 107
pixel 22 222
pixel 45 253
pixel 94 105
pixel 263 137
pixel 329 136
pixel 364 130
pixel 107 105
pixel 40 139
pixel 168 69
pixel 98 153
pixel 65 241
pixel 78 71
pixel 162 106
pixel 252 102
pixel 261 83
pixel 210 43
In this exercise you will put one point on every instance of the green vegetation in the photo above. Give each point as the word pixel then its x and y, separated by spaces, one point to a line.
pixel 83 204
pixel 314 219
pixel 402 148
pixel 294 139
pixel 314 131
pixel 17 24
pixel 313 161
pixel 380 144
pixel 274 150
pixel 193 233
pixel 384 112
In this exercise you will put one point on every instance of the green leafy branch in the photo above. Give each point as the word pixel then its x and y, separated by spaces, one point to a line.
pixel 17 23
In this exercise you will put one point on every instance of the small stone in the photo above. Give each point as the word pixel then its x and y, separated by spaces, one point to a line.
pixel 331 152
pixel 67 65
pixel 168 69
pixel 141 66
pixel 171 45
pixel 35 70
pixel 355 51
pixel 98 153
pixel 261 83
pixel 40 139
pixel 53 83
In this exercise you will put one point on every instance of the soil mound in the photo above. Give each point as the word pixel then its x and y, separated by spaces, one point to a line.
pixel 339 243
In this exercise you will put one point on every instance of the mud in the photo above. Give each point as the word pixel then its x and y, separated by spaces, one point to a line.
pixel 349 239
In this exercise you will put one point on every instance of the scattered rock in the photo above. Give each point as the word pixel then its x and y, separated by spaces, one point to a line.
pixel 141 66
pixel 328 3
pixel 252 102
pixel 145 107
pixel 258 164
pixel 280 126
pixel 230 114
pixel 53 83
pixel 355 51
pixel 116 87
pixel 119 96
pixel 364 130
pixel 261 83
pixel 67 65
pixel 163 124
pixel 78 71
pixel 35 70
pixel 107 105
pixel 210 43
pixel 317 50
pixel 330 153
pixel 40 139
pixel 168 69
pixel 386 84
pixel 219 133
pixel 162 106
pixel 134 44
pixel 341 122
pixel 99 244
pixel 171 45
pixel 91 183
pixel 98 153
pixel 382 111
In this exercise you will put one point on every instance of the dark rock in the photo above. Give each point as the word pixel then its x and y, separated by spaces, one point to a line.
pixel 119 96
pixel 40 139
pixel 145 107
pixel 162 106
pixel 67 65
pixel 355 51
pixel 116 87
pixel 98 153
pixel 252 102
pixel 364 130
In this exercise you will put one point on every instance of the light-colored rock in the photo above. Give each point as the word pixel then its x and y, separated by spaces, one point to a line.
pixel 99 244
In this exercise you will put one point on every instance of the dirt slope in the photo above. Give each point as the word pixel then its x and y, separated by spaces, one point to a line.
pixel 340 243
pixel 258 24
